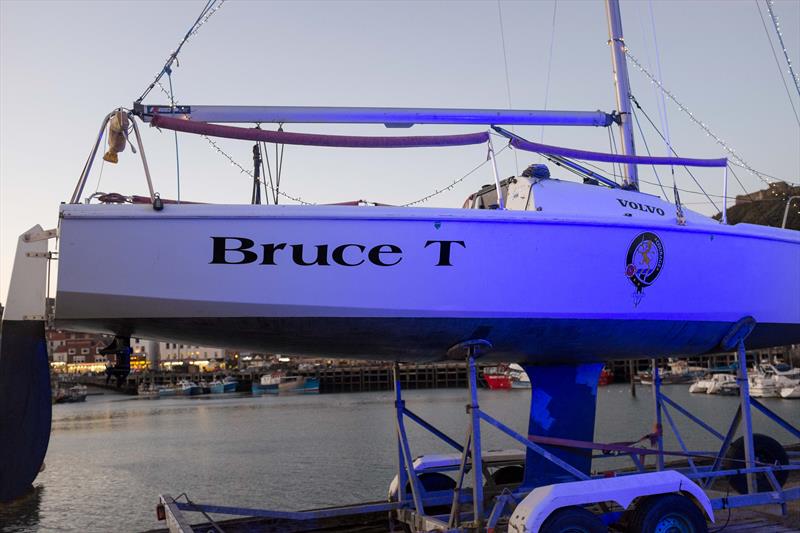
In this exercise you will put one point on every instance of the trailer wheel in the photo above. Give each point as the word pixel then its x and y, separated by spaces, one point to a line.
pixel 509 475
pixel 767 451
pixel 573 520
pixel 668 513
pixel 431 482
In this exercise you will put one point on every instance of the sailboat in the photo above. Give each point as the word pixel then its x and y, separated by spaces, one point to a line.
pixel 600 271
pixel 603 273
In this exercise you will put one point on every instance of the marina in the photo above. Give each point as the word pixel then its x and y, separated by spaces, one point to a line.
pixel 359 365
pixel 213 447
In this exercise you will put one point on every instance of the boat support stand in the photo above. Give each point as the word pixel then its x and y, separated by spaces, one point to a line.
pixel 750 468
pixel 413 503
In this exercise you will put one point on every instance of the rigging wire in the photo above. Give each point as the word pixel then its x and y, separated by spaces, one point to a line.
pixel 749 197
pixel 505 62
pixel 236 164
pixel 777 62
pixel 455 182
pixel 549 65
pixel 688 191
pixel 177 153
pixel 207 12
pixel 662 102
pixel 278 164
pixel 102 166
pixel 674 185
pixel 646 147
pixel 612 148
pixel 737 159
pixel 268 172
pixel 777 24
pixel 243 170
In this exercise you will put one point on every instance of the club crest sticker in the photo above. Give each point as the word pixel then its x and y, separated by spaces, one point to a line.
pixel 644 262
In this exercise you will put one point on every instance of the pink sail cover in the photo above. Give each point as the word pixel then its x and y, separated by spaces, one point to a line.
pixel 313 139
pixel 616 158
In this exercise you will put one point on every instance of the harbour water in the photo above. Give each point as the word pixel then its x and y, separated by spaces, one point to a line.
pixel 110 457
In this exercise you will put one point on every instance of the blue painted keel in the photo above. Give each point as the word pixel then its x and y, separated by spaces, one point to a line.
pixel 563 405
pixel 25 405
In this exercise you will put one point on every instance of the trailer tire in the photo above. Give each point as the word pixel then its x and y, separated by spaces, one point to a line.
pixel 667 512
pixel 509 475
pixel 767 451
pixel 432 482
pixel 573 520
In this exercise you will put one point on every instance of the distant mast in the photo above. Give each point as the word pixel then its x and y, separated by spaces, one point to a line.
pixel 622 87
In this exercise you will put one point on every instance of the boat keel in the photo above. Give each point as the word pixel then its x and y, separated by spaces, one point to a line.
pixel 563 404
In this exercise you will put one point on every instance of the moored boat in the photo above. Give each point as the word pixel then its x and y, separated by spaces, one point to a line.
pixel 189 388
pixel 73 394
pixel 790 392
pixel 230 384
pixel 298 385
pixel 722 384
pixel 497 377
pixel 167 390
pixel 762 386
pixel 519 378
pixel 606 377
pixel 147 390
pixel 769 381
pixel 266 385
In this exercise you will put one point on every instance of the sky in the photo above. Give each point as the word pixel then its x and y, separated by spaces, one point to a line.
pixel 65 65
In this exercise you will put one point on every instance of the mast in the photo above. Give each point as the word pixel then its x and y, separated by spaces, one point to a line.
pixel 622 86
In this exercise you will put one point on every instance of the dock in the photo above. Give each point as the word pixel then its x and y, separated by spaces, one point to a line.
pixel 349 378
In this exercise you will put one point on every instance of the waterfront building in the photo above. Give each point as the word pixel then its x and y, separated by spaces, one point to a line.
pixel 71 351
pixel 173 354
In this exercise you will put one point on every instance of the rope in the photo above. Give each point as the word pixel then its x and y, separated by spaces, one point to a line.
pixel 777 61
pixel 738 161
pixel 454 183
pixel 795 77
pixel 505 63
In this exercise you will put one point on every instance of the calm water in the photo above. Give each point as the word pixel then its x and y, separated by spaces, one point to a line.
pixel 111 457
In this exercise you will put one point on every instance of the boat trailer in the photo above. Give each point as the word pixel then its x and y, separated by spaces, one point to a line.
pixel 492 492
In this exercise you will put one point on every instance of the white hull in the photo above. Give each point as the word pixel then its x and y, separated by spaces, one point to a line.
pixel 539 286
pixel 790 392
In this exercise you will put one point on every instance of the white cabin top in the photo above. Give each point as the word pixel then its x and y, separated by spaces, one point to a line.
pixel 555 197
